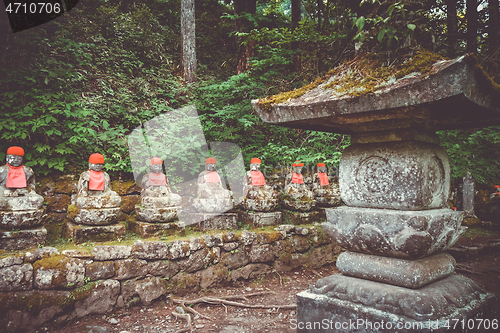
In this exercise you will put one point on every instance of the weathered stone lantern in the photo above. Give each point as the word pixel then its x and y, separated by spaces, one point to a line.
pixel 395 181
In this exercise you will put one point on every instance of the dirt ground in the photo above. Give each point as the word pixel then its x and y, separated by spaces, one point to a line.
pixel 280 289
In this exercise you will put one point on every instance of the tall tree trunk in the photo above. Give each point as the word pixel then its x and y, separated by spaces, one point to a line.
pixel 471 16
pixel 493 25
pixel 245 52
pixel 297 61
pixel 451 27
pixel 188 42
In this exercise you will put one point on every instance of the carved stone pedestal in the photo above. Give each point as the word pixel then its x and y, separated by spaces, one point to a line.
pixel 22 239
pixel 340 303
pixel 159 215
pixel 147 230
pixel 97 233
pixel 205 221
pixel 290 217
pixel 260 219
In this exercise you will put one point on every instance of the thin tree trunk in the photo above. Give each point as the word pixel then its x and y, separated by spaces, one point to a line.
pixel 188 42
pixel 245 52
pixel 452 27
pixel 493 25
pixel 297 61
pixel 471 16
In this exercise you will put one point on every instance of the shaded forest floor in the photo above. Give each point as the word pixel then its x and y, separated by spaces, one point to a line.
pixel 158 318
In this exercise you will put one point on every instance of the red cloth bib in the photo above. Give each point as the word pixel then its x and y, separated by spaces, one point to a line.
pixel 157 179
pixel 16 178
pixel 96 180
pixel 213 177
pixel 297 178
pixel 257 178
pixel 323 178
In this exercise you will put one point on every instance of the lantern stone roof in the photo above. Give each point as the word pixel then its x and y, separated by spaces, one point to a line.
pixel 419 91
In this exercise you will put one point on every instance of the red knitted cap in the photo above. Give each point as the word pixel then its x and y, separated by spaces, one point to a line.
pixel 255 160
pixel 96 159
pixel 321 165
pixel 14 150
pixel 155 161
pixel 210 160
pixel 297 164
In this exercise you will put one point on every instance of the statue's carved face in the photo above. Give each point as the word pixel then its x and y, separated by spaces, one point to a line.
pixel 255 166
pixel 156 168
pixel 14 160
pixel 95 167
pixel 209 167
pixel 321 169
pixel 297 169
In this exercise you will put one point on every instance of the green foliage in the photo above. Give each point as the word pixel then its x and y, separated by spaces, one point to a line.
pixel 397 26
pixel 477 151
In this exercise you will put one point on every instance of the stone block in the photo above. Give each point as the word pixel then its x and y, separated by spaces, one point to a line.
pixel 148 230
pixel 212 276
pixel 148 289
pixel 260 219
pixel 212 240
pixel 343 299
pixel 101 299
pixel 290 217
pixel 26 310
pixel 299 206
pixel 151 250
pixel 32 201
pixel 163 268
pixel 200 259
pixel 393 233
pixel 98 233
pixel 97 217
pixel 22 239
pixel 261 253
pixel 407 175
pixel 399 272
pixel 130 268
pixel 218 205
pixel 100 270
pixel 11 261
pixel 21 219
pixel 58 272
pixel 257 205
pixel 179 249
pixel 224 221
pixel 16 277
pixel 104 252
pixel 156 215
pixel 98 202
pixel 40 253
pixel 235 259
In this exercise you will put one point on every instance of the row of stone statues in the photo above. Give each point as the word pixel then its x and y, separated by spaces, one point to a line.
pixel 98 205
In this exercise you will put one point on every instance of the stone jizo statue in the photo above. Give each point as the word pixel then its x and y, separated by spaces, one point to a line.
pixel 212 196
pixel 297 194
pixel 17 181
pixel 155 185
pixel 97 203
pixel 326 194
pixel 258 196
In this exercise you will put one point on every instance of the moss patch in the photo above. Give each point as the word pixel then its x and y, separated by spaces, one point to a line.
pixel 364 74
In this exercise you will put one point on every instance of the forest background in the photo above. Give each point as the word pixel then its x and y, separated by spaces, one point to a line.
pixel 81 83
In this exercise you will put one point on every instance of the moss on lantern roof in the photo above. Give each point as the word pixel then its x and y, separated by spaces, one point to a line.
pixel 364 74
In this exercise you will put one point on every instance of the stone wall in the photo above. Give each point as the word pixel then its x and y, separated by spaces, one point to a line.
pixel 47 284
